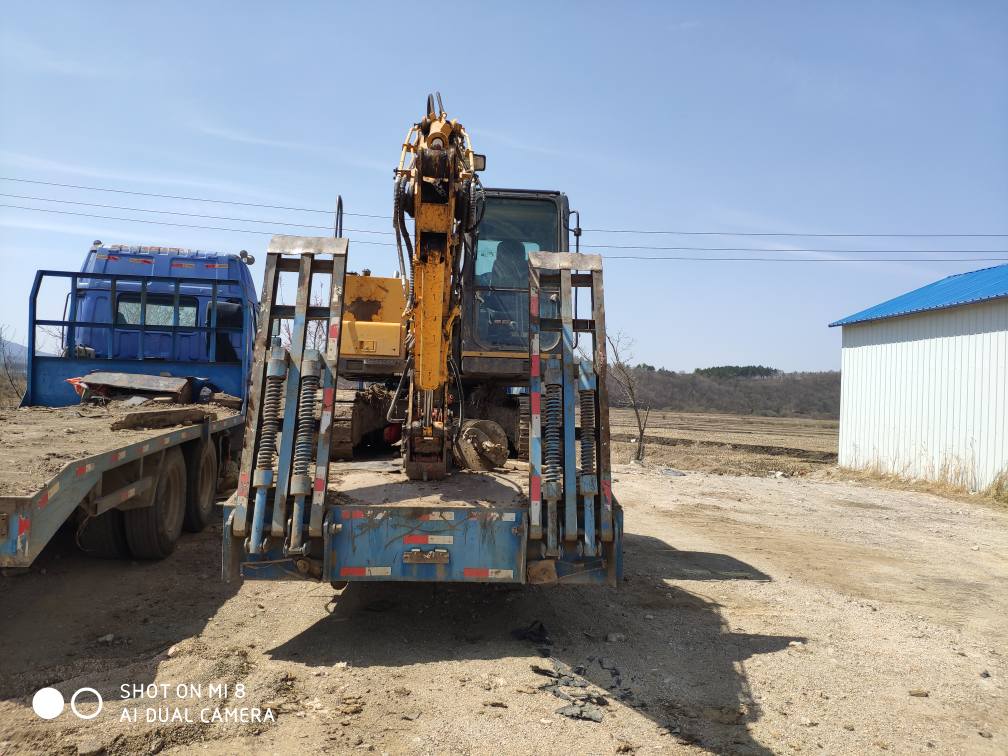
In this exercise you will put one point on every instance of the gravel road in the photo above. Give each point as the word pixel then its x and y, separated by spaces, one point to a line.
pixel 757 616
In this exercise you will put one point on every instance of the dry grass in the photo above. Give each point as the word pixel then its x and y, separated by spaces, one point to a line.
pixel 728 444
pixel 996 493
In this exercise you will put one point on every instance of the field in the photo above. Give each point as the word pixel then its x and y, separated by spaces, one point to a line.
pixel 728 444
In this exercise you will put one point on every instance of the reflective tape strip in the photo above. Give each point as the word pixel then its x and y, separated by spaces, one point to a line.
pixel 182 265
pixel 212 265
pixel 85 469
pixel 606 493
pixel 118 455
pixel 107 257
pixel 48 495
pixel 143 449
pixel 508 517
pixel 535 497
pixel 476 572
pixel 334 330
pixel 141 260
pixel 165 441
pixel 365 571
pixel 319 484
pixel 430 539
pixel 128 494
pixel 438 516
pixel 355 514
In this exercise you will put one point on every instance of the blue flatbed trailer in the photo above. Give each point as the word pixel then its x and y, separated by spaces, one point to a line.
pixel 193 317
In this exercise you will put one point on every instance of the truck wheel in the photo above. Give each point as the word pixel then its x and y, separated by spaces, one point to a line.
pixel 201 488
pixel 153 531
pixel 104 536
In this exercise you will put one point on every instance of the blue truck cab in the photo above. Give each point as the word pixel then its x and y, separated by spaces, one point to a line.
pixel 148 310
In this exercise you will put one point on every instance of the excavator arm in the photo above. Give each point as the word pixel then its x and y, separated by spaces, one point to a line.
pixel 436 185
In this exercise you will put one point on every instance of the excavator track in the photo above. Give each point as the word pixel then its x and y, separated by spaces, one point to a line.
pixel 356 414
pixel 524 423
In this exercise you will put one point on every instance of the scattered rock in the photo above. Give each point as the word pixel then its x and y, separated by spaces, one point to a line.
pixel 917 693
pixel 496 704
pixel 849 727
pixel 615 637
pixel 546 721
pixel 172 651
pixel 90 747
pixel 985 734
pixel 536 633
pixel 881 745
pixel 808 722
pixel 796 645
pixel 156 745
pixel 582 711
pixel 402 691
pixel 106 638
pixel 985 673
pixel 724 715
pixel 412 716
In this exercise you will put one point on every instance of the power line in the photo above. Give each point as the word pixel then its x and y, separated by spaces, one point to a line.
pixel 165 223
pixel 364 231
pixel 824 251
pixel 188 215
pixel 813 259
pixel 608 257
pixel 191 199
pixel 593 230
pixel 767 233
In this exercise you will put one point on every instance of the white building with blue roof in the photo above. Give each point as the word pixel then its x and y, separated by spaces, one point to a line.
pixel 924 382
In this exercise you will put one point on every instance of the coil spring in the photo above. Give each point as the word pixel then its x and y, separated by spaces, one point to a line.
pixel 271 422
pixel 588 432
pixel 553 464
pixel 305 424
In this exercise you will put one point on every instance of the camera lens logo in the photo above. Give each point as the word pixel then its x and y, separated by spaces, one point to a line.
pixel 48 703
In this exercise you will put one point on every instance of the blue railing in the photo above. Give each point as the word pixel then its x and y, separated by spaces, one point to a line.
pixel 167 284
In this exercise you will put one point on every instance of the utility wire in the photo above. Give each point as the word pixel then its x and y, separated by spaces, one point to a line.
pixel 593 230
pixel 595 246
pixel 164 223
pixel 609 257
pixel 767 233
pixel 191 199
pixel 188 215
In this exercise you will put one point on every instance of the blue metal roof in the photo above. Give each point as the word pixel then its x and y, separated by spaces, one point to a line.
pixel 960 289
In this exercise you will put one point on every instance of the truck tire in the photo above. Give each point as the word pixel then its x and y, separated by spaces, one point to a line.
pixel 104 536
pixel 201 485
pixel 153 531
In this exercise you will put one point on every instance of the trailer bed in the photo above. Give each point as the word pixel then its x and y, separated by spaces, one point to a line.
pixel 472 526
pixel 36 443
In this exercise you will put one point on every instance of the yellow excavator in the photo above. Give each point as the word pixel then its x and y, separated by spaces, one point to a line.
pixel 452 334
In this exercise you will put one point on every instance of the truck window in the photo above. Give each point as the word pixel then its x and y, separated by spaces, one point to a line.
pixel 160 310
pixel 510 230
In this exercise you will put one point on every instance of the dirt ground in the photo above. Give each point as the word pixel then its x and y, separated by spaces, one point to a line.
pixel 727 444
pixel 758 615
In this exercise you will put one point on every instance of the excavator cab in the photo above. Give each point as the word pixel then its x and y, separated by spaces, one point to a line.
pixel 495 311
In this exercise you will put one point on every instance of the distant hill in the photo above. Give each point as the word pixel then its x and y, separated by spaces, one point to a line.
pixel 750 390
pixel 17 352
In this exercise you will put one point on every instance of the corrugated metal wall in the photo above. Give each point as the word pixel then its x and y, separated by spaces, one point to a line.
pixel 924 395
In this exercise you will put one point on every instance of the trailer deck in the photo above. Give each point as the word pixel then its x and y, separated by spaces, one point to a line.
pixel 52 458
pixel 472 526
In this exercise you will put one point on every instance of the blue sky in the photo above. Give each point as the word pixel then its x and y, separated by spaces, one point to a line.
pixel 852 118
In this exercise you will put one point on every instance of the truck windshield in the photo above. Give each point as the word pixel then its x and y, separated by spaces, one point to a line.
pixel 160 310
pixel 512 228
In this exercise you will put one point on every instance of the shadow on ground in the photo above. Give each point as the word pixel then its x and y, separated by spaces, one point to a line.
pixel 677 665
pixel 57 612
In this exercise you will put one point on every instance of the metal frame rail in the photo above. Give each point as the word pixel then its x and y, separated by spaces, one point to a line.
pixel 557 381
pixel 295 373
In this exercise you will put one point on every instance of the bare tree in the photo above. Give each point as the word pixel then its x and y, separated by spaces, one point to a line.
pixel 625 376
pixel 316 331
pixel 14 370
